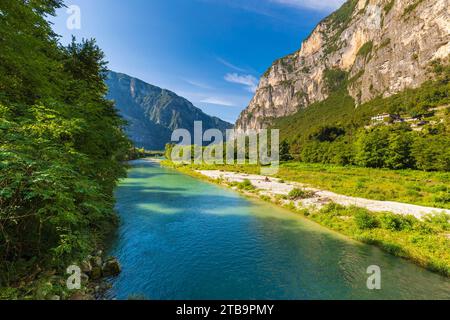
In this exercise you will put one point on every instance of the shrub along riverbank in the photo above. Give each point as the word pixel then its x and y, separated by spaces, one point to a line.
pixel 425 242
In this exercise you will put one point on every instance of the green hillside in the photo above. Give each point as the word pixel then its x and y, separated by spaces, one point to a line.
pixel 333 130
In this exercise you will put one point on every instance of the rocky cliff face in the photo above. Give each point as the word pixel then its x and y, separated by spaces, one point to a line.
pixel 153 113
pixel 384 46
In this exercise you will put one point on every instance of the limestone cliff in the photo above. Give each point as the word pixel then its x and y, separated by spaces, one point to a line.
pixel 385 46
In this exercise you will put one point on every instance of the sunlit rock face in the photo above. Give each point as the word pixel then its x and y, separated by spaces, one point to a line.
pixel 384 45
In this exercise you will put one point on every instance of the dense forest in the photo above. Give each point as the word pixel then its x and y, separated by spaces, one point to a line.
pixel 62 145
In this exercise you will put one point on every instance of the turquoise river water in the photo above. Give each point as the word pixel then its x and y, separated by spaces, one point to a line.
pixel 181 238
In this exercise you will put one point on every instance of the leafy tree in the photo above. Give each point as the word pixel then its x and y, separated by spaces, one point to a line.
pixel 28 50
pixel 62 145
pixel 372 147
pixel 399 151
pixel 285 151
pixel 327 133
pixel 432 153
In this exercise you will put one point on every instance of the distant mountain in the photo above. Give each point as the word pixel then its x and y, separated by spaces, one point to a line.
pixel 153 113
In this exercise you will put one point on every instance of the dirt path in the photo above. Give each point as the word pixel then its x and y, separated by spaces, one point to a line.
pixel 274 187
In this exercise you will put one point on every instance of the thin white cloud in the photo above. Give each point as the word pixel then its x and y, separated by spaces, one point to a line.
pixel 257 6
pixel 230 65
pixel 198 84
pixel 218 101
pixel 265 7
pixel 249 81
pixel 324 5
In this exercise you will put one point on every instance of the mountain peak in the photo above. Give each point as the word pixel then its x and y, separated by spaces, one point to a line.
pixel 382 47
pixel 153 113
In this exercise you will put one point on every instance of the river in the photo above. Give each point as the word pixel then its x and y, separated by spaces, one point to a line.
pixel 182 238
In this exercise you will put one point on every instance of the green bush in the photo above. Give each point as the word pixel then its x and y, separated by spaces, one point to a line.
pixel 442 197
pixel 439 220
pixel 388 7
pixel 334 209
pixel 246 185
pixel 365 220
pixel 335 79
pixel 396 222
pixel 366 49
pixel 432 153
pixel 296 194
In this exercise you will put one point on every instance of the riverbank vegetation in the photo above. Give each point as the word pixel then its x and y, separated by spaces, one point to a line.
pixel 140 153
pixel 61 151
pixel 409 186
pixel 425 242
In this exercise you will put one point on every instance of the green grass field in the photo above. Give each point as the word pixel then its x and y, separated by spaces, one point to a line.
pixel 409 186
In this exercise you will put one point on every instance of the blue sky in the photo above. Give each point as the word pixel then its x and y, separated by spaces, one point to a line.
pixel 211 52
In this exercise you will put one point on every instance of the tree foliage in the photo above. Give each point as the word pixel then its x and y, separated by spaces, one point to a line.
pixel 61 143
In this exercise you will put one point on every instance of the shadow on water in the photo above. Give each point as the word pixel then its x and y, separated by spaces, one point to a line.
pixel 153 189
pixel 174 199
pixel 146 187
pixel 181 238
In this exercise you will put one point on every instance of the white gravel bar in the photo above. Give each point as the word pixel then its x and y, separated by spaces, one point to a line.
pixel 272 187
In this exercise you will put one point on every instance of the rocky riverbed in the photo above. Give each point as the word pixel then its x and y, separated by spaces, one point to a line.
pixel 96 270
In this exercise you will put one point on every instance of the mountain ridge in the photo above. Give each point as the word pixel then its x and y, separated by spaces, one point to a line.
pixel 153 113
